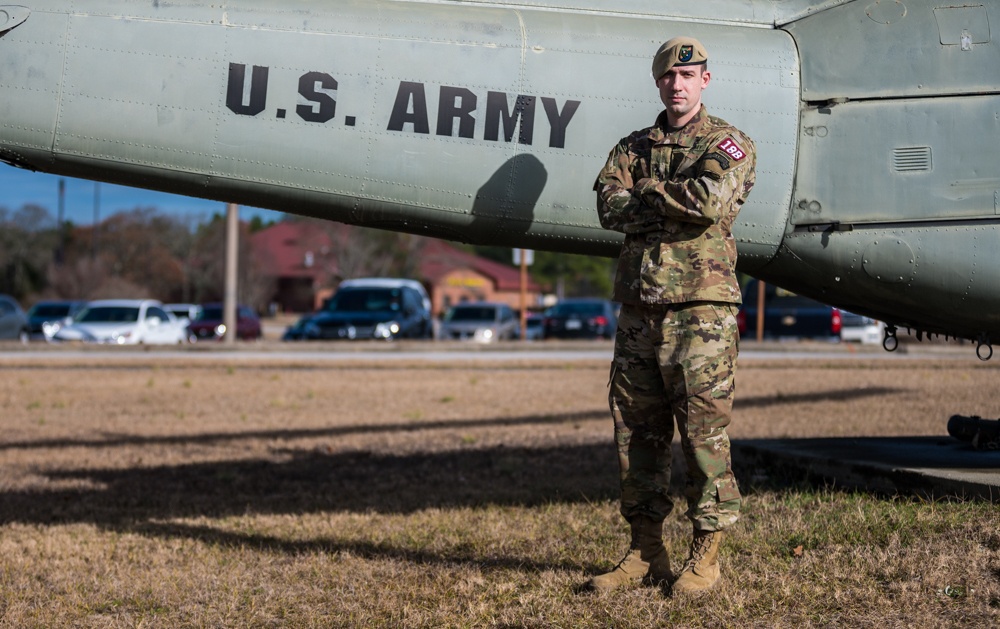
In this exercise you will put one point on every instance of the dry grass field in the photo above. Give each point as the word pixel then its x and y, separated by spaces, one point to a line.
pixel 290 493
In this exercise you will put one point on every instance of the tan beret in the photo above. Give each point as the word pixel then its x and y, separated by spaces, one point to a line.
pixel 679 51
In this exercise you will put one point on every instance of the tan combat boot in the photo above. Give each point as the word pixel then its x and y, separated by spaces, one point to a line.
pixel 701 570
pixel 645 562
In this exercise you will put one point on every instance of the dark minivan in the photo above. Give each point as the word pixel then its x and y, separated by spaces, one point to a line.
pixel 362 311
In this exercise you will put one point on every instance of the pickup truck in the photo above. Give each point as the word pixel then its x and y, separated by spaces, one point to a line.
pixel 787 315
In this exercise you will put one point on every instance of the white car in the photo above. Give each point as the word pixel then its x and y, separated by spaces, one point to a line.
pixel 185 313
pixel 124 322
pixel 860 329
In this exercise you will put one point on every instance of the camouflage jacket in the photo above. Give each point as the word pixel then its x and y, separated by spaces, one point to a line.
pixel 675 195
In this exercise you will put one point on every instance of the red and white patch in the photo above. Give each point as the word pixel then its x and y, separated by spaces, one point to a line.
pixel 732 149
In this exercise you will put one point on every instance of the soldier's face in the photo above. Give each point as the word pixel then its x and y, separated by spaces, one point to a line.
pixel 680 90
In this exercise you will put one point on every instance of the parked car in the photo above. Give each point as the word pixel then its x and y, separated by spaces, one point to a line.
pixel 375 308
pixel 484 322
pixel 208 324
pixel 581 318
pixel 183 311
pixel 13 320
pixel 787 315
pixel 390 282
pixel 47 317
pixel 124 322
pixel 535 326
pixel 297 331
pixel 860 329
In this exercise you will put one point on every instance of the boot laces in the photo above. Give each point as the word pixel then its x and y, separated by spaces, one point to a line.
pixel 628 553
pixel 699 548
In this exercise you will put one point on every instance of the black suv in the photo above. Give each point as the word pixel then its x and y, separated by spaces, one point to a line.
pixel 367 312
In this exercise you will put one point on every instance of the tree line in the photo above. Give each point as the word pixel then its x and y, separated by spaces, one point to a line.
pixel 140 253
pixel 145 253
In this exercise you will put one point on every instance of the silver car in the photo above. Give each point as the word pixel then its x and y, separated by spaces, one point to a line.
pixel 483 322
pixel 13 320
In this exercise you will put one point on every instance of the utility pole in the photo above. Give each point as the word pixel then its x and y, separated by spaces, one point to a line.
pixel 524 296
pixel 760 311
pixel 232 259
pixel 61 247
pixel 97 220
pixel 524 257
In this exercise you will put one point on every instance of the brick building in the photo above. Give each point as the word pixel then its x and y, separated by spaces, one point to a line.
pixel 302 261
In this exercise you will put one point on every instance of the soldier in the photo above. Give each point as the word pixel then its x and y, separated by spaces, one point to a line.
pixel 674 189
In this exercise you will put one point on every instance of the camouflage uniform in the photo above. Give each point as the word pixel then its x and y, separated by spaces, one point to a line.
pixel 675 195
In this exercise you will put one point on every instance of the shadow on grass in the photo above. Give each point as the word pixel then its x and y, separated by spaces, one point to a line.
pixel 369 550
pixel 835 395
pixel 745 402
pixel 309 481
pixel 143 500
pixel 306 433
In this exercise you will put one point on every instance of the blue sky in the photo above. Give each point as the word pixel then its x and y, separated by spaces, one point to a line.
pixel 20 187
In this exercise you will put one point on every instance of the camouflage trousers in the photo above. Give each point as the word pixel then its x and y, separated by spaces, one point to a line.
pixel 676 362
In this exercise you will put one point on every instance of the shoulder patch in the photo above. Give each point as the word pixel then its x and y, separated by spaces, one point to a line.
pixel 731 148
pixel 715 164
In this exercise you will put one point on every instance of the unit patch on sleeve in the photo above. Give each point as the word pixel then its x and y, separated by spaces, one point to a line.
pixel 732 149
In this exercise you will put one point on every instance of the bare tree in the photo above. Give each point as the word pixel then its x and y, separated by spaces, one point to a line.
pixel 140 254
pixel 77 278
pixel 208 267
pixel 28 238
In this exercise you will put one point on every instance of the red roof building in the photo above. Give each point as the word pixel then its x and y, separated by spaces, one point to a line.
pixel 302 256
pixel 299 260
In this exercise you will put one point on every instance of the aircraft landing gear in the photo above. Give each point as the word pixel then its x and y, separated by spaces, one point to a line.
pixel 984 347
pixel 984 350
pixel 889 340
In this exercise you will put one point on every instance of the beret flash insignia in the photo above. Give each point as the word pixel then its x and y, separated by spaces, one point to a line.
pixel 685 54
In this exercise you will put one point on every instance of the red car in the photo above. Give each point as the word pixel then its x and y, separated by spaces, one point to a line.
pixel 208 326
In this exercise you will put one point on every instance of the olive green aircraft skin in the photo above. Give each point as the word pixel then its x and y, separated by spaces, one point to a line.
pixel 876 122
